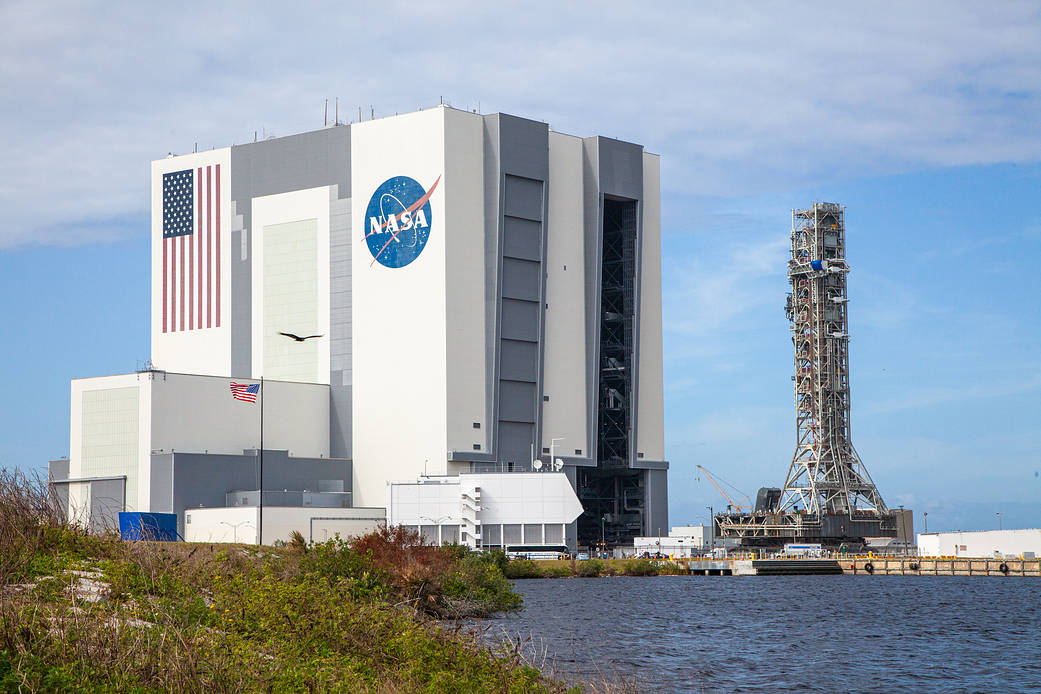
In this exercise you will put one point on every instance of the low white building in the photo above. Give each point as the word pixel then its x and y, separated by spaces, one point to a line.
pixel 486 509
pixel 700 534
pixel 983 543
pixel 682 542
pixel 241 523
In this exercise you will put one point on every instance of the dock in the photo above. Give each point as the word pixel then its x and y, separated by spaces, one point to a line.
pixel 866 566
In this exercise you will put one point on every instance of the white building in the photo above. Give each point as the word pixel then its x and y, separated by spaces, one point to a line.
pixel 982 543
pixel 476 291
pixel 682 542
pixel 492 510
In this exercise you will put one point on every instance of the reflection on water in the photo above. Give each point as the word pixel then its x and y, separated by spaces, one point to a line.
pixel 802 633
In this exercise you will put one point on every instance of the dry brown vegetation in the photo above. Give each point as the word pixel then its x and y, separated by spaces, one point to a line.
pixel 80 612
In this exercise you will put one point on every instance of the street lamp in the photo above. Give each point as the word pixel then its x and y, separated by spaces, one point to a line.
pixel 437 522
pixel 235 527
pixel 998 514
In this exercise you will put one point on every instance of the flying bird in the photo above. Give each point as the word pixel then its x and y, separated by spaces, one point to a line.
pixel 298 338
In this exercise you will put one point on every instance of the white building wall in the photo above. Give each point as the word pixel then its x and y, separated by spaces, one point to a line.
pixel 650 434
pixel 566 413
pixel 399 314
pixel 986 543
pixel 239 524
pixel 108 435
pixel 206 350
pixel 700 535
pixel 465 290
pixel 290 275
pixel 525 508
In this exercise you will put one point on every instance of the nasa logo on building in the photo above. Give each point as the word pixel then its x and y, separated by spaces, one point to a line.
pixel 398 221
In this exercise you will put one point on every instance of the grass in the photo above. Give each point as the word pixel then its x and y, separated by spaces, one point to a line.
pixel 86 613
pixel 590 568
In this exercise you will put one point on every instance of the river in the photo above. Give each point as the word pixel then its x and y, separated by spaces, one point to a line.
pixel 785 633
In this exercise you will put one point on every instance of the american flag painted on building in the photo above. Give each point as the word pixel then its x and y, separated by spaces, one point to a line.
pixel 246 392
pixel 191 249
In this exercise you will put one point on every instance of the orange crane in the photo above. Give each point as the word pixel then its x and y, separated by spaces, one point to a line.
pixel 740 508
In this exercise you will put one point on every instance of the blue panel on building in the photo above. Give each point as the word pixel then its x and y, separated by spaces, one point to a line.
pixel 148 526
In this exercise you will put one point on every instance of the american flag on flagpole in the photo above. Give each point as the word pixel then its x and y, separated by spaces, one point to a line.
pixel 246 392
pixel 191 249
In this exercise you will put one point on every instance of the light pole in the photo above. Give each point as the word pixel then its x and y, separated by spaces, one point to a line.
pixel 260 465
pixel 235 527
pixel 903 531
pixel 553 449
pixel 263 397
pixel 925 522
pixel 437 523
pixel 998 514
pixel 603 533
pixel 711 528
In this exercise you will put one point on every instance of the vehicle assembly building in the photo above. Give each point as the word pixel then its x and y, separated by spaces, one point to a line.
pixel 438 293
pixel 828 496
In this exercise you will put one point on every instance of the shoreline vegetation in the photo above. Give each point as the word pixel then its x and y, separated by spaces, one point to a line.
pixel 590 568
pixel 86 612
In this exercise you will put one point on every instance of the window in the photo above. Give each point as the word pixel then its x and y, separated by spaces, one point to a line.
pixel 639 455
pixel 545 450
pixel 545 398
pixel 578 451
pixel 477 425
pixel 477 446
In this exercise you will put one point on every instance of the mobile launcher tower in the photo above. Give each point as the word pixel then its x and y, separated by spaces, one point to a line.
pixel 828 496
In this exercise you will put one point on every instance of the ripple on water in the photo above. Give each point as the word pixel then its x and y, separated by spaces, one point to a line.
pixel 797 633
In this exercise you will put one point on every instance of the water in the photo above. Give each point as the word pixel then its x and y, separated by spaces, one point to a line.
pixel 791 633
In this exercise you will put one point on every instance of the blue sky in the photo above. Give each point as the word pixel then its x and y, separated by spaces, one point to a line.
pixel 923 120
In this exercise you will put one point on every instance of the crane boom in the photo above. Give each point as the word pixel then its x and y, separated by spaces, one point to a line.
pixel 738 507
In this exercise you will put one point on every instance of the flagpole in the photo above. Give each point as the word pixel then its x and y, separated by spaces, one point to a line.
pixel 260 508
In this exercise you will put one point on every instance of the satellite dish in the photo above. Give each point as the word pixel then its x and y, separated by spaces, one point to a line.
pixel 558 464
pixel 536 464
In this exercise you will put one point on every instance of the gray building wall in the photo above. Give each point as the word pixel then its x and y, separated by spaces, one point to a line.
pixel 202 480
pixel 282 165
pixel 517 162
pixel 59 470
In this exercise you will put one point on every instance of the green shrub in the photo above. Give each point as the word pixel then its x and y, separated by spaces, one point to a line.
pixel 590 568
pixel 638 567
pixel 523 568
pixel 557 571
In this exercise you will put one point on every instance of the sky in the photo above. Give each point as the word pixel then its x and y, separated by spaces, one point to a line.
pixel 923 119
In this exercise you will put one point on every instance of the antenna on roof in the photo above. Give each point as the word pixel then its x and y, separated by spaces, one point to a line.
pixel 337 110
pixel 325 119
pixel 372 113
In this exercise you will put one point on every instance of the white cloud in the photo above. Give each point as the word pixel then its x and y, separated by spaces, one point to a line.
pixel 738 100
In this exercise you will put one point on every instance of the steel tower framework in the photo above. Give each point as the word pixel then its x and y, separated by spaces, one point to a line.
pixel 826 475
